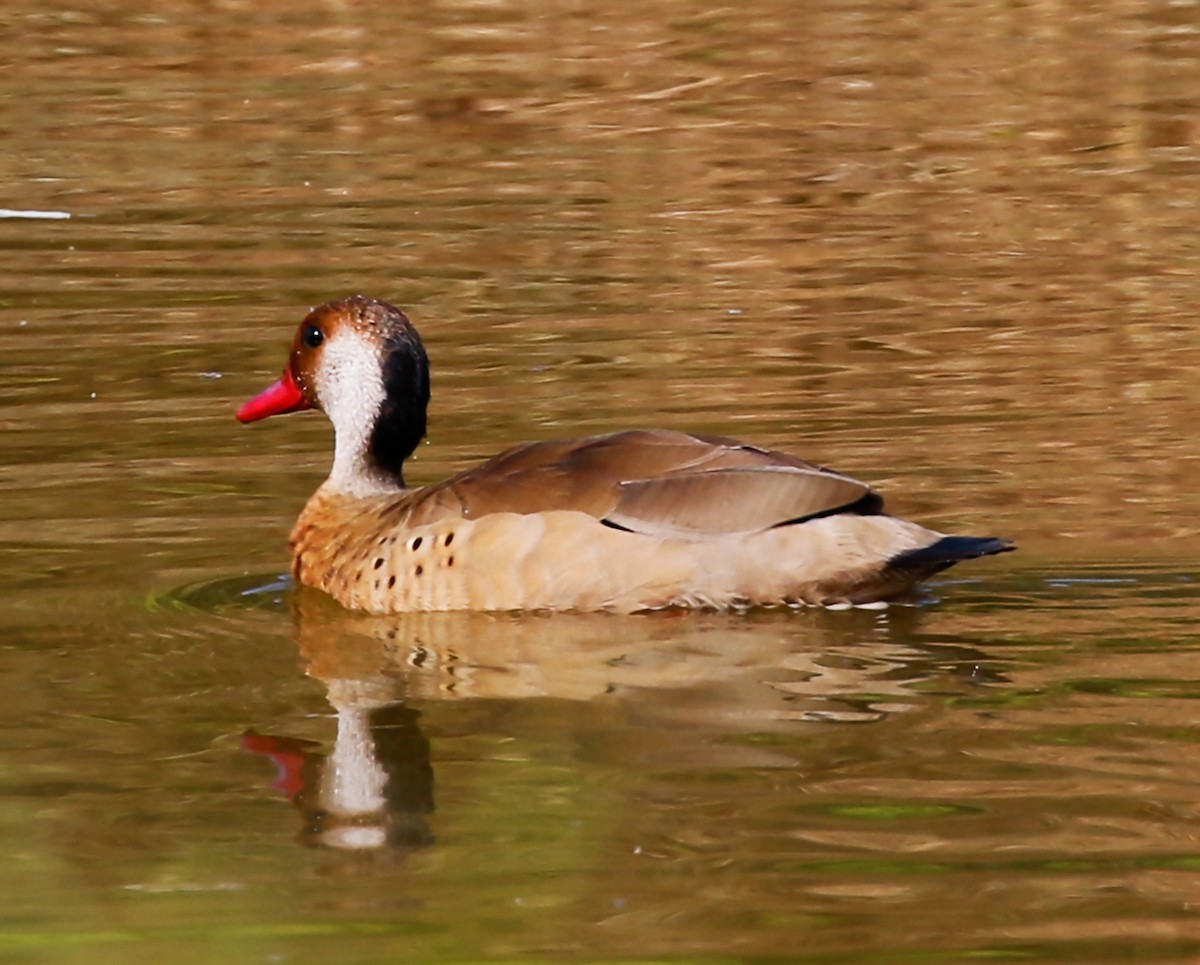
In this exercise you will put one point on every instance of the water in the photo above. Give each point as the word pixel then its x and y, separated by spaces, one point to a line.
pixel 949 251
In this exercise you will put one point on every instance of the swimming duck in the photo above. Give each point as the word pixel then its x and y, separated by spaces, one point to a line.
pixel 625 521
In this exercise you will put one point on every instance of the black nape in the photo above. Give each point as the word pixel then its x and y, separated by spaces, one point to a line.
pixel 401 422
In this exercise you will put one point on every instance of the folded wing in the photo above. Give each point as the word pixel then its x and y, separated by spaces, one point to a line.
pixel 655 482
pixel 696 505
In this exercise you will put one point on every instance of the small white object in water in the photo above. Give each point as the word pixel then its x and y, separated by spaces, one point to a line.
pixel 177 887
pixel 354 838
pixel 93 395
pixel 17 213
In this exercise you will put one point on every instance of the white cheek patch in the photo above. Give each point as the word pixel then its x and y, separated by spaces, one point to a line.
pixel 349 383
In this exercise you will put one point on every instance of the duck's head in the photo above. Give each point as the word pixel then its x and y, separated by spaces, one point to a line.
pixel 361 362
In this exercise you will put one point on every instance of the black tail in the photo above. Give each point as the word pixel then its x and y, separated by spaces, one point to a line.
pixel 947 551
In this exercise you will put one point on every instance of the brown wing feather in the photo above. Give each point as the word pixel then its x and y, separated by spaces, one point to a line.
pixel 649 481
pixel 694 505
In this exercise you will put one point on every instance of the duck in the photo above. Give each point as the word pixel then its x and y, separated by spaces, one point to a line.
pixel 641 519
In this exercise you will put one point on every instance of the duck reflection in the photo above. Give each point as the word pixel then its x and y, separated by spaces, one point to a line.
pixel 683 678
pixel 375 786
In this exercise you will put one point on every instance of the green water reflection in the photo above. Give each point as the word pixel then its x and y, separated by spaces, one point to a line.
pixel 284 778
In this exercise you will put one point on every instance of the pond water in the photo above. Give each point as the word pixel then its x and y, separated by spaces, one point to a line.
pixel 952 250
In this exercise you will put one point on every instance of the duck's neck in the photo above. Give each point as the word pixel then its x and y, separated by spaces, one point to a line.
pixel 378 413
pixel 356 473
pixel 369 455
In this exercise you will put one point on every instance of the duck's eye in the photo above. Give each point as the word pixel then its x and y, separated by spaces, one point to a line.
pixel 313 337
